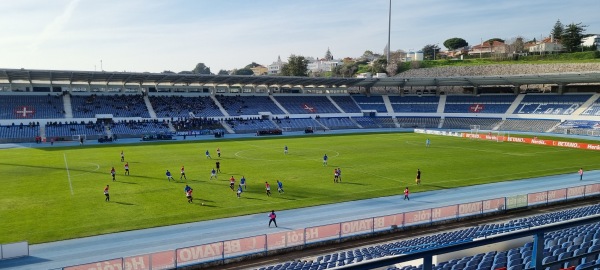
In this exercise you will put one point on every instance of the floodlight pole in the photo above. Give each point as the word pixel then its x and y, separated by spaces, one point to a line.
pixel 389 32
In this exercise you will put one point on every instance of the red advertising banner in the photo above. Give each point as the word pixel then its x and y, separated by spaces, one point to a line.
pixel 575 192
pixel 243 246
pixel 557 195
pixel 141 262
pixel 472 208
pixel 445 212
pixel 386 222
pixel 417 217
pixel 201 253
pixel 321 233
pixel 493 205
pixel 357 226
pixel 109 264
pixel 537 198
pixel 576 145
pixel 592 189
pixel 285 239
pixel 163 260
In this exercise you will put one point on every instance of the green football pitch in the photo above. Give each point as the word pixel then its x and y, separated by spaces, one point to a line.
pixel 51 194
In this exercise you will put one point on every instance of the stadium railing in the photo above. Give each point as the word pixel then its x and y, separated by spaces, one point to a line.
pixel 217 253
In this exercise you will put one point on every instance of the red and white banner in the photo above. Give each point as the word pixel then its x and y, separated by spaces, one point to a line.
pixel 467 209
pixel 576 145
pixel 386 222
pixel 285 239
pixel 417 217
pixel 592 189
pixel 493 205
pixel 201 253
pixel 537 198
pixel 246 245
pixel 445 212
pixel 321 233
pixel 357 226
pixel 557 195
pixel 109 264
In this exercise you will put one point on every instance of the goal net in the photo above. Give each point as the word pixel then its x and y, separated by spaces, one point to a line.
pixel 500 136
pixel 78 137
pixel 474 130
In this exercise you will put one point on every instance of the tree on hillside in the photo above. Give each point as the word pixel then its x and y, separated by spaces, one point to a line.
pixel 492 40
pixel 558 30
pixel 223 72
pixel 571 38
pixel 297 65
pixel 243 71
pixel 455 43
pixel 379 65
pixel 516 44
pixel 251 65
pixel 429 50
pixel 201 69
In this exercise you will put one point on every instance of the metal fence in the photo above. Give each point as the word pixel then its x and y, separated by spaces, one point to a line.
pixel 228 249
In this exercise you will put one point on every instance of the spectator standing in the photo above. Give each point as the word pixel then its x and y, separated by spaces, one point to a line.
pixel 580 174
pixel 272 218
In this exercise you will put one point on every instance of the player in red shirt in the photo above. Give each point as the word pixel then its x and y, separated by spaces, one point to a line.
pixel 126 168
pixel 406 194
pixel 268 188
pixel 182 173
pixel 113 172
pixel 106 194
pixel 232 183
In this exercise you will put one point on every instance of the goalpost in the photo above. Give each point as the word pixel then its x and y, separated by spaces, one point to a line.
pixel 78 137
pixel 474 130
pixel 500 136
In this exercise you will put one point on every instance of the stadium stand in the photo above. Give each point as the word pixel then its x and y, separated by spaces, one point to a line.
pixel 373 103
pixel 197 126
pixel 58 129
pixel 558 245
pixel 31 107
pixel 414 104
pixel 184 106
pixel 551 104
pixel 375 122
pixel 297 124
pixel 10 132
pixel 139 127
pixel 466 122
pixel 593 109
pixel 248 105
pixel 530 125
pixel 307 104
pixel 346 103
pixel 579 127
pixel 337 122
pixel 117 105
pixel 240 125
pixel 418 122
pixel 478 104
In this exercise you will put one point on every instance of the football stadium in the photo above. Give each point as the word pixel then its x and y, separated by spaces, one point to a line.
pixel 480 156
pixel 507 174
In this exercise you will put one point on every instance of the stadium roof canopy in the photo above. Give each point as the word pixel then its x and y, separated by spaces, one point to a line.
pixel 170 79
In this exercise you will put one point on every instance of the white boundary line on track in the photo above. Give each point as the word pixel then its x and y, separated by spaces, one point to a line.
pixel 68 173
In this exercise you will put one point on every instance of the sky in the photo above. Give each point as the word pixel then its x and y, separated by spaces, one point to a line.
pixel 175 35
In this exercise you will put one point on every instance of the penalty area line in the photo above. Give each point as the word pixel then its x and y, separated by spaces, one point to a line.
pixel 68 173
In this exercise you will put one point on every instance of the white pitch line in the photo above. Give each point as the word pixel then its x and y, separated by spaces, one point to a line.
pixel 68 173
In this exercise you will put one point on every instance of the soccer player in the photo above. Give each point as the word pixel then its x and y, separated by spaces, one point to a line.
pixel 406 194
pixel 208 154
pixel 231 183
pixel 169 176
pixel 418 180
pixel 186 188
pixel 113 173
pixel 213 173
pixel 427 142
pixel 285 150
pixel 339 171
pixel 325 160
pixel 218 165
pixel 239 191
pixel 126 168
pixel 182 173
pixel 188 195
pixel 335 175
pixel 243 182
pixel 107 199
pixel 279 187
pixel 122 156
pixel 580 174
pixel 218 152
pixel 268 189
pixel 272 217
